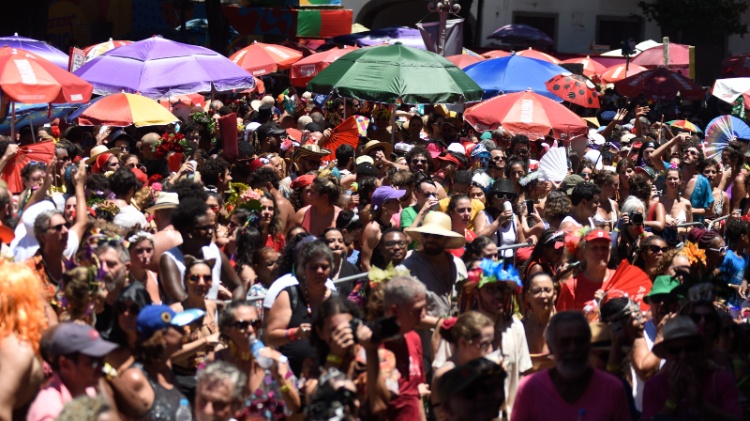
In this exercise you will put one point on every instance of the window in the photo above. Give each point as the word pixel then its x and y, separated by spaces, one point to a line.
pixel 613 30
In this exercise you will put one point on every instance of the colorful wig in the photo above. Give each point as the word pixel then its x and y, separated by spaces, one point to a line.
pixel 21 305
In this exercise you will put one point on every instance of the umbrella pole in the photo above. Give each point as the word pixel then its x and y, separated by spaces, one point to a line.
pixel 13 121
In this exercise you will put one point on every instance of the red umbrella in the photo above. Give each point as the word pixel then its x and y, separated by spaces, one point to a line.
pixel 39 152
pixel 28 78
pixel 591 68
pixel 345 133
pixel 660 84
pixel 464 60
pixel 304 70
pixel 532 53
pixel 259 58
pixel 617 73
pixel 525 113
pixel 575 89
pixel 496 54
pixel 736 65
pixel 631 280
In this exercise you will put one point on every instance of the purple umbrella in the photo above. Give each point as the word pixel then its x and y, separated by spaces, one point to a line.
pixel 518 33
pixel 37 47
pixel 409 37
pixel 157 68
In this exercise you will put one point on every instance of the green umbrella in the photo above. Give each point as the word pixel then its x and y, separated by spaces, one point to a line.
pixel 391 72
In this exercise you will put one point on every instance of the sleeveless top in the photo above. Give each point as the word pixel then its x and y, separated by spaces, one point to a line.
pixel 300 350
pixel 210 251
pixel 166 401
pixel 505 236
pixel 599 220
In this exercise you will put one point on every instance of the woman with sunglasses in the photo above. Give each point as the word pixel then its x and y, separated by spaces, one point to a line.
pixel 468 337
pixel 607 213
pixel 268 386
pixel 649 255
pixel 198 340
pixel 503 223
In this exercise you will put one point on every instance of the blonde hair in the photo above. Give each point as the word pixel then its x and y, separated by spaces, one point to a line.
pixel 21 304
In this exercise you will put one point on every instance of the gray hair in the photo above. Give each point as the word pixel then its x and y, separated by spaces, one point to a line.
pixel 41 223
pixel 303 121
pixel 122 252
pixel 220 372
pixel 401 290
pixel 632 204
pixel 312 250
pixel 550 335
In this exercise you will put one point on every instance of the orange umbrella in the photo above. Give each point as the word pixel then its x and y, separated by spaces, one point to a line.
pixel 190 100
pixel 591 68
pixel 345 133
pixel 39 152
pixel 532 53
pixel 496 54
pixel 617 73
pixel 464 60
pixel 259 58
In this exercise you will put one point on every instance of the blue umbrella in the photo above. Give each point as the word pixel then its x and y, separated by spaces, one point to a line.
pixel 37 47
pixel 722 130
pixel 514 74
pixel 36 115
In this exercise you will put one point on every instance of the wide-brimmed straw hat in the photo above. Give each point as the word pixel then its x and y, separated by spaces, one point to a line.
pixel 98 150
pixel 165 200
pixel 311 150
pixel 438 223
pixel 676 329
pixel 376 144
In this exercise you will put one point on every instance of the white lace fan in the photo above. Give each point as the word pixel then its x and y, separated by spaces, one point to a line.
pixel 553 166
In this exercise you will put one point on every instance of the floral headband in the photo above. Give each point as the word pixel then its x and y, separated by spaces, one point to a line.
pixel 138 237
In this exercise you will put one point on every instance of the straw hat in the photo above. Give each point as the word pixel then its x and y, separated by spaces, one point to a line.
pixel 438 223
pixel 165 200
pixel 678 328
pixel 311 150
pixel 374 144
pixel 98 150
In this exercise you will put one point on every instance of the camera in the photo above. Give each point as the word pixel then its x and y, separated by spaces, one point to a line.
pixel 636 218
pixel 382 329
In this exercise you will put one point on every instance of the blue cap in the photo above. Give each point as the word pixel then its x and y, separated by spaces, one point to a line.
pixel 607 115
pixel 486 135
pixel 154 318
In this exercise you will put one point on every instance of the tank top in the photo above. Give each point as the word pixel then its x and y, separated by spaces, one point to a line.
pixel 505 236
pixel 210 251
pixel 297 351
pixel 166 401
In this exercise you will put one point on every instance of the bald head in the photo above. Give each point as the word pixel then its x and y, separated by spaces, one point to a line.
pixel 148 143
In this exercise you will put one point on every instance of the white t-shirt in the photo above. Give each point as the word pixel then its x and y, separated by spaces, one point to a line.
pixel 210 251
pixel 285 281
pixel 129 217
pixel 27 246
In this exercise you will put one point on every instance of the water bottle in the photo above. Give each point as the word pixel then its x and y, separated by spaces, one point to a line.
pixel 255 346
pixel 191 174
pixel 184 413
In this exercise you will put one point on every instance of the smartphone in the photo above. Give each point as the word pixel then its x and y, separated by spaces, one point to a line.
pixel 530 207
pixel 382 329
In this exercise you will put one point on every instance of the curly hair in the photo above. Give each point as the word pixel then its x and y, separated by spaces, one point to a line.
pixel 21 309
pixel 640 187
pixel 80 286
pixel 666 260
pixel 736 151
pixel 188 188
pixel 186 214
pixel 264 175
pixel 558 205
pixel 475 247
pixel 151 350
pixel 213 170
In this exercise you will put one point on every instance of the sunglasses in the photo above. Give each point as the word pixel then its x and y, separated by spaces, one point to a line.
pixel 196 278
pixel 691 152
pixel 503 196
pixel 522 152
pixel 244 324
pixel 56 228
pixel 418 161
pixel 657 249
pixel 720 250
pixel 585 175
pixel 498 158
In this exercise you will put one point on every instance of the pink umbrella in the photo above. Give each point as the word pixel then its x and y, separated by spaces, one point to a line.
pixel 532 53
pixel 617 73
pixel 679 57
pixel 464 60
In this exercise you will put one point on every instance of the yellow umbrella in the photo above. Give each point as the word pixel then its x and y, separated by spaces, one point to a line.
pixel 123 109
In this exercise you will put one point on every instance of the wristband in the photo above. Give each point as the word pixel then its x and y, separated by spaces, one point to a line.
pixel 670 404
pixel 285 388
pixel 613 368
pixel 334 359
pixel 291 334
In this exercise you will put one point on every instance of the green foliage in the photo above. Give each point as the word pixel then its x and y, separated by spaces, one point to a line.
pixel 693 17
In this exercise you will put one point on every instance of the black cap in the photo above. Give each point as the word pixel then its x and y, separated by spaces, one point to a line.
pixel 269 129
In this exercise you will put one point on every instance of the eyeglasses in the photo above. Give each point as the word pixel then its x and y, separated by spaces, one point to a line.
pixel 242 325
pixel 196 278
pixel 691 152
pixel 56 228
pixel 418 161
pixel 720 250
pixel 395 243
pixel 498 158
pixel 657 249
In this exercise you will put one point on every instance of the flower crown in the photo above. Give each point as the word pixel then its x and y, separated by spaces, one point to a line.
pixel 694 253
pixel 377 275
pixel 491 271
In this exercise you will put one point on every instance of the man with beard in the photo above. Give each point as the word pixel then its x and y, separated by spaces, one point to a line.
pixel 572 389
pixel 435 267
pixel 494 299
pixel 114 262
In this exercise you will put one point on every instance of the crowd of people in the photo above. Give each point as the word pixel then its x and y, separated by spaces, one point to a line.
pixel 427 271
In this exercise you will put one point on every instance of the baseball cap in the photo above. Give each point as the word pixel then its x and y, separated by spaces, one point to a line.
pixel 364 158
pixel 597 234
pixel 569 182
pixel 383 193
pixel 457 148
pixel 154 318
pixel 647 171
pixel 70 338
